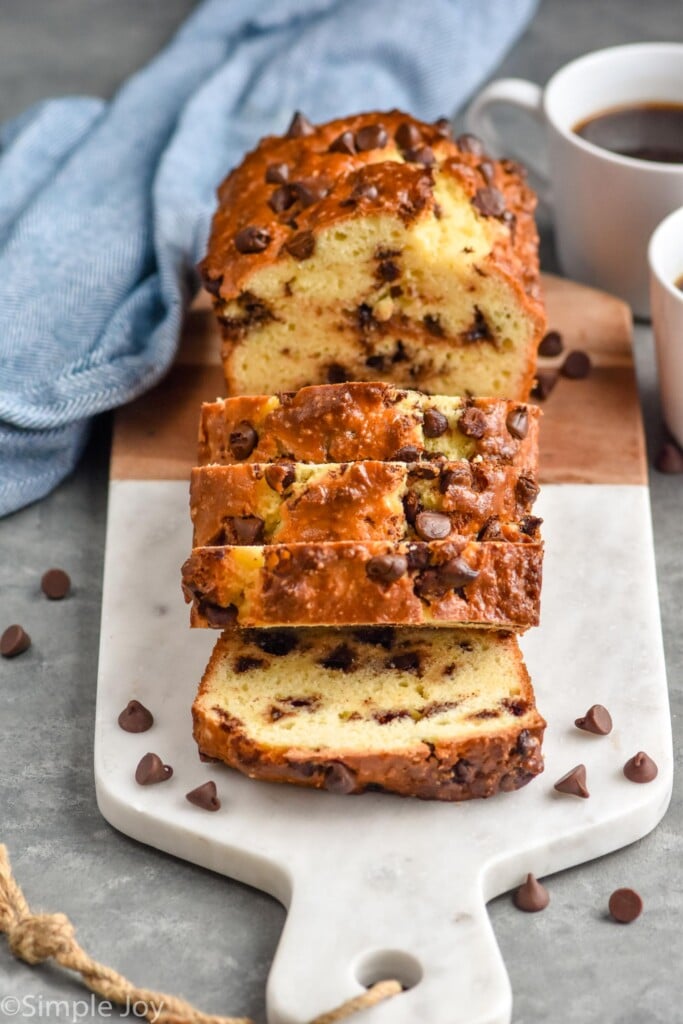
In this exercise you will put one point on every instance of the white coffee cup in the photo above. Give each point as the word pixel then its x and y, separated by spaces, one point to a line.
pixel 605 205
pixel 665 256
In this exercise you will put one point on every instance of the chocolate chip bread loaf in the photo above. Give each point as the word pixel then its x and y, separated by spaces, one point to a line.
pixel 376 248
pixel 284 503
pixel 349 422
pixel 487 583
pixel 432 713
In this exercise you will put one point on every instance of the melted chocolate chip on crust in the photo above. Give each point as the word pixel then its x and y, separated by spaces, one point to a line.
pixel 301 246
pixel 386 569
pixel 135 717
pixel 434 423
pixel 489 201
pixel 464 771
pixel 339 778
pixel 242 440
pixel 472 423
pixel 372 136
pixel 526 491
pixel 216 615
pixel 460 476
pixel 517 423
pixel 344 143
pixel 277 174
pixel 452 575
pixel 408 453
pixel 252 239
pixel 299 126
pixel 408 136
pixel 432 525
pixel 281 199
pixel 422 155
pixel 246 529
pixel 280 476
pixel 468 143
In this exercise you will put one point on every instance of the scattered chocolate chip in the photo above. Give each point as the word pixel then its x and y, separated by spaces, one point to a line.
pixel 151 769
pixel 408 136
pixel 216 615
pixel 344 143
pixel 421 155
pixel 242 440
pixel 387 270
pixel 517 422
pixel 669 459
pixel 544 384
pixel 280 475
pixel 574 782
pixel 432 525
pixel 472 423
pixel 252 239
pixel 337 374
pixel 247 529
pixel 531 896
pixel 245 663
pixel 372 136
pixel 434 423
pixel 489 201
pixel 407 661
pixel 386 568
pixel 135 717
pixel 309 190
pixel 526 491
pixel 341 659
pixel 281 199
pixel 278 642
pixel 576 366
pixel 640 768
pixel 433 325
pixel 480 330
pixel 625 905
pixel 596 720
pixel 468 143
pixel 301 246
pixel 15 640
pixel 204 796
pixel 339 778
pixel 55 584
pixel 408 453
pixel 277 174
pixel 551 344
pixel 299 126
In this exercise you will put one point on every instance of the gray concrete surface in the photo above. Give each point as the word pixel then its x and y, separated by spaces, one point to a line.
pixel 163 922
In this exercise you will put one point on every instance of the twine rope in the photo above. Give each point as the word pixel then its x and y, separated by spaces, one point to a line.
pixel 35 938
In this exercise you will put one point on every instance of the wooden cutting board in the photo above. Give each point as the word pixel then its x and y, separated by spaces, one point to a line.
pixel 377 886
pixel 591 433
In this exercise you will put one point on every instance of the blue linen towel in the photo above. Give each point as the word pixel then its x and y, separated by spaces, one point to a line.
pixel 105 207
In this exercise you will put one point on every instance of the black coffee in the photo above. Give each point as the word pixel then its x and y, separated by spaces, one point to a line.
pixel 646 131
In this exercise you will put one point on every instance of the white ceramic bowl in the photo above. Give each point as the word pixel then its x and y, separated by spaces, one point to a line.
pixel 665 255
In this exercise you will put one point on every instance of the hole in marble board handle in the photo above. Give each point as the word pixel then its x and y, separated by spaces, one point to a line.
pixel 388 964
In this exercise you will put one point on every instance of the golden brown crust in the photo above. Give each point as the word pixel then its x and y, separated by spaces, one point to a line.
pixel 354 421
pixel 346 583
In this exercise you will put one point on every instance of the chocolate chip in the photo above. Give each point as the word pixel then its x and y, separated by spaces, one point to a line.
pixel 301 246
pixel 408 135
pixel 55 584
pixel 281 199
pixel 386 568
pixel 526 491
pixel 640 768
pixel 432 525
pixel 339 778
pixel 337 374
pixel 531 896
pixel 421 155
pixel 408 453
pixel 407 661
pixel 247 529
pixel 242 440
pixel 544 384
pixel 530 525
pixel 362 190
pixel 491 530
pixel 206 758
pixel 574 782
pixel 388 270
pixel 517 422
pixel 151 769
pixel 451 575
pixel 434 423
pixel 379 636
pixel 480 330
pixel 344 143
pixel 487 171
pixel 277 174
pixel 278 642
pixel 669 459
pixel 625 905
pixel 472 423
pixel 468 143
pixel 15 640
pixel 252 239
pixel 489 201
pixel 576 366
pixel 309 190
pixel 204 796
pixel 135 717
pixel 464 771
pixel 245 663
pixel 411 507
pixel 596 720
pixel 280 476
pixel 456 476
pixel 372 136
pixel 341 659
pixel 216 615
pixel 299 126
pixel 433 325
pixel 551 344
pixel 443 127
pixel 212 284
pixel 525 741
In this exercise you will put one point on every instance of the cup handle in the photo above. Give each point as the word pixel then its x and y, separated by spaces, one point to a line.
pixel 519 93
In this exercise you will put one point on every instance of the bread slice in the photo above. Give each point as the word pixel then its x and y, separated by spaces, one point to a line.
pixel 432 713
pixel 350 422
pixel 487 583
pixel 376 248
pixel 258 503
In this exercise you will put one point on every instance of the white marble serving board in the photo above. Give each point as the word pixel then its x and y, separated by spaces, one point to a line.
pixel 379 886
